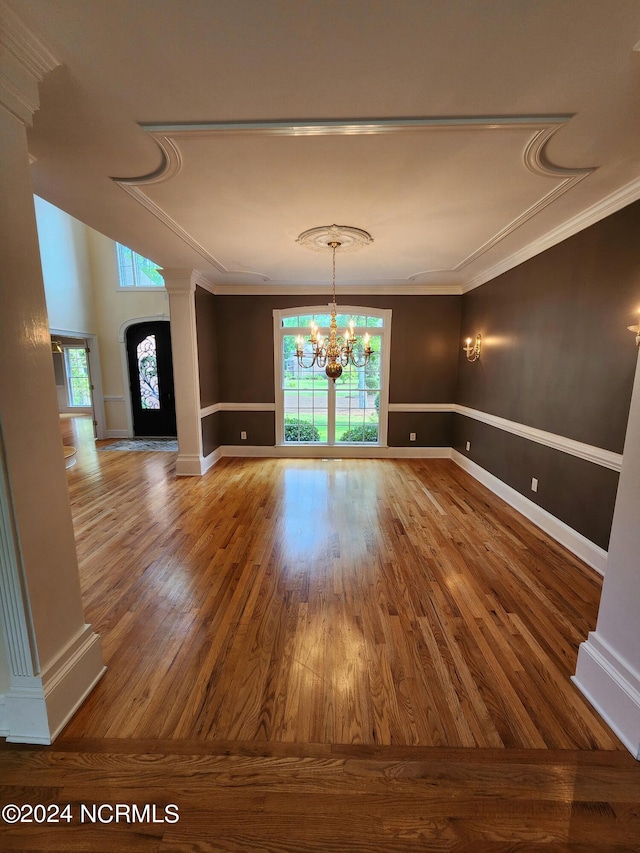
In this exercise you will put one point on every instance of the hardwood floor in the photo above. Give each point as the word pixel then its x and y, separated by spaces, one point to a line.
pixel 327 655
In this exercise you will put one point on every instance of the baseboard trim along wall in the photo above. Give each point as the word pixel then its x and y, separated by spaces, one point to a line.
pixel 575 542
pixel 612 687
pixel 37 708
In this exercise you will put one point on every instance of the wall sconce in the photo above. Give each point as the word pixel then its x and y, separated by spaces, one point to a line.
pixel 473 349
pixel 635 329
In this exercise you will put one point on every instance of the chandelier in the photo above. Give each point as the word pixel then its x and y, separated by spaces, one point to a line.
pixel 334 352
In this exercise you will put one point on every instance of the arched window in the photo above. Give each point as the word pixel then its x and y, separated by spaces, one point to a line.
pixel 312 409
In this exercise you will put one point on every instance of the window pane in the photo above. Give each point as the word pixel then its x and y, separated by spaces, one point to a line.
pixel 125 266
pixel 323 320
pixel 136 271
pixel 308 395
pixel 77 376
pixel 290 321
pixel 148 373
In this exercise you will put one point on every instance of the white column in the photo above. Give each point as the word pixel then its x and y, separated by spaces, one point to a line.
pixel 52 658
pixel 181 287
pixel 608 671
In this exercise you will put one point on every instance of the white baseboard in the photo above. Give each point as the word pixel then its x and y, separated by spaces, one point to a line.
pixel 575 542
pixel 4 728
pixel 189 465
pixel 612 687
pixel 352 451
pixel 38 707
pixel 210 460
pixel 117 433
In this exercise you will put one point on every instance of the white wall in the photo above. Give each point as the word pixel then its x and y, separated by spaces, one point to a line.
pixel 113 308
pixel 80 272
pixel 65 269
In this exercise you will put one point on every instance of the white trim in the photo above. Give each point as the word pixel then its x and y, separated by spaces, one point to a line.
pixel 384 332
pixel 336 451
pixel 400 288
pixel 612 686
pixel 542 129
pixel 589 452
pixel 236 407
pixel 189 465
pixel 598 455
pixel 38 707
pixel 575 542
pixel 422 407
pixel 210 460
pixel 118 433
pixel 600 210
pixel 95 375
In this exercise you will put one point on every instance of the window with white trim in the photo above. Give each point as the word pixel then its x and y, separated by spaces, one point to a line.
pixel 312 409
pixel 77 377
pixel 134 271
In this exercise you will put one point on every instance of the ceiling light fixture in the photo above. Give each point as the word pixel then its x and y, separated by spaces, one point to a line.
pixel 635 329
pixel 337 351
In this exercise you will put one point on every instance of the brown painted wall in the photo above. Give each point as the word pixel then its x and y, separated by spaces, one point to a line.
pixel 210 426
pixel 432 429
pixel 577 492
pixel 424 337
pixel 207 346
pixel 557 355
pixel 556 352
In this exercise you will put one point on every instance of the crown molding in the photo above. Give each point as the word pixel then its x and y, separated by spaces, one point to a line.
pixel 534 160
pixel 274 289
pixel 26 61
pixel 600 210
pixel 32 53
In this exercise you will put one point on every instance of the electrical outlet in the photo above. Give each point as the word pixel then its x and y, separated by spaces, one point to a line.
pixel 243 435
pixel 534 484
pixel 412 436
pixel 468 447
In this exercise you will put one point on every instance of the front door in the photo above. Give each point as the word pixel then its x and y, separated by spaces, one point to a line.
pixel 151 378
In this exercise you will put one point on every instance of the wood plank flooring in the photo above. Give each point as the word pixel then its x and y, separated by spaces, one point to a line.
pixel 310 601
pixel 326 656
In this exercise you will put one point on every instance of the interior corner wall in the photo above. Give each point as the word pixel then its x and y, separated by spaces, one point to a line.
pixel 557 356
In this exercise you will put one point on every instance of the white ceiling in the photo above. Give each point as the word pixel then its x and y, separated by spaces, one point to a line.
pixel 464 135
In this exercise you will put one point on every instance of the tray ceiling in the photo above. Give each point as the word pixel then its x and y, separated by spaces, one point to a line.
pixel 463 137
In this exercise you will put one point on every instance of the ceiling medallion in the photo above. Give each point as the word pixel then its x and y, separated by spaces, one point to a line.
pixel 336 351
pixel 321 238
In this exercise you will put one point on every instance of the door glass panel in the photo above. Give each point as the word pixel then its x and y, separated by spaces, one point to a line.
pixel 148 373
